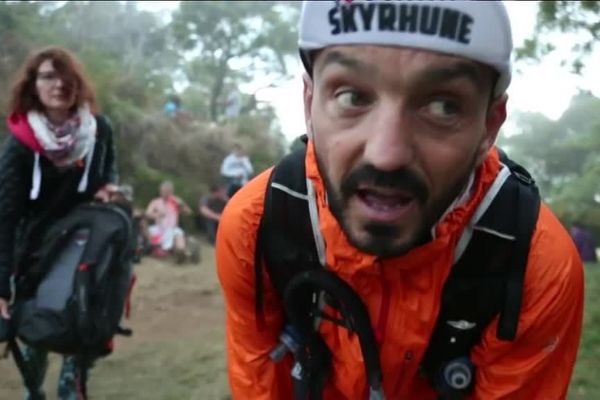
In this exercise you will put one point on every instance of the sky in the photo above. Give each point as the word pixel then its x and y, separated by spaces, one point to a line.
pixel 546 87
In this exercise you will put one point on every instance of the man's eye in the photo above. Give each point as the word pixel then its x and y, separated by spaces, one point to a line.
pixel 351 98
pixel 443 108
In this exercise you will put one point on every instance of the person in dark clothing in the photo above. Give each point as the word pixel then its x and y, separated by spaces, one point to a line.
pixel 211 208
pixel 123 196
pixel 584 240
pixel 59 153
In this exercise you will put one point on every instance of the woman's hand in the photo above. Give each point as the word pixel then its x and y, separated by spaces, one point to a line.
pixel 4 309
pixel 105 192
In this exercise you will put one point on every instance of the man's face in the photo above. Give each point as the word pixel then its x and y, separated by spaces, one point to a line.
pixel 397 133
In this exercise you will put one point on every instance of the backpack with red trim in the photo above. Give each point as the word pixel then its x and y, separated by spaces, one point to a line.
pixel 71 301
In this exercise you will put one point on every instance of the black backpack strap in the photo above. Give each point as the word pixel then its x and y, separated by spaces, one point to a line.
pixel 302 291
pixel 81 288
pixel 285 244
pixel 527 195
pixel 486 281
pixel 286 247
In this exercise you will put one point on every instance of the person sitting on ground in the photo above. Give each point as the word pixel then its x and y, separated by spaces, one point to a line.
pixel 236 169
pixel 211 208
pixel 165 232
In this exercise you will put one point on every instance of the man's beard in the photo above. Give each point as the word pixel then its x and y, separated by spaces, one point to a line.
pixel 382 236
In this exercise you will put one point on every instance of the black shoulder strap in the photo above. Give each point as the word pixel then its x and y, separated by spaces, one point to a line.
pixel 486 281
pixel 526 194
pixel 286 248
pixel 285 242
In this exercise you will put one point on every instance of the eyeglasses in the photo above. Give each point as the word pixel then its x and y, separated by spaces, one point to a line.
pixel 49 77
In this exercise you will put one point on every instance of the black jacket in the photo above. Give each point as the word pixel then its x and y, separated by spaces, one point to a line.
pixel 23 221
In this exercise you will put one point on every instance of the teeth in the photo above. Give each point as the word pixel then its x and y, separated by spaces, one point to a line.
pixel 385 203
pixel 381 207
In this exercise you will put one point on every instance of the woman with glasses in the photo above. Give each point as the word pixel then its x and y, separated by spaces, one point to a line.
pixel 58 154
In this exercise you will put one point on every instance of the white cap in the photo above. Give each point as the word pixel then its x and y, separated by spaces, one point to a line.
pixel 477 30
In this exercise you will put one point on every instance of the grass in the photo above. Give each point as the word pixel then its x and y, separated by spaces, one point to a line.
pixel 586 383
pixel 189 369
pixel 178 352
pixel 177 349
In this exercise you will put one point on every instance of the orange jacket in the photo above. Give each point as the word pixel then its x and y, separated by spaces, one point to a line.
pixel 537 365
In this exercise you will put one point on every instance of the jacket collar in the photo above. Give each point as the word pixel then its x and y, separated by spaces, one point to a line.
pixel 343 257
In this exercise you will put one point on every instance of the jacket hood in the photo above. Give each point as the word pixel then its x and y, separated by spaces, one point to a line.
pixel 19 127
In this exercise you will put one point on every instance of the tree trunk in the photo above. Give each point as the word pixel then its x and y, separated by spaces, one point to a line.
pixel 218 84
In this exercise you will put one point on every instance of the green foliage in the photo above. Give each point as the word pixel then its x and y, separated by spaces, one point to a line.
pixel 234 41
pixel 585 384
pixel 133 59
pixel 564 157
pixel 127 49
pixel 18 36
pixel 565 16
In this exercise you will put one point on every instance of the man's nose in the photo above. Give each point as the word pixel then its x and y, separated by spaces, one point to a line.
pixel 390 145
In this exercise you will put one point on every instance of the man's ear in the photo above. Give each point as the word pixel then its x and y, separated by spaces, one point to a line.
pixel 496 115
pixel 308 97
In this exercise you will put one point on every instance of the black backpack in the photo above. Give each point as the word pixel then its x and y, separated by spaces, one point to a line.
pixel 72 299
pixel 485 281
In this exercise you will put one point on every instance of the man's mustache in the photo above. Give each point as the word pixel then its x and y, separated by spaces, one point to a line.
pixel 401 179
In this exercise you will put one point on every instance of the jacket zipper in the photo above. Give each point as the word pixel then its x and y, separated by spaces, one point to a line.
pixel 384 307
pixel 382 319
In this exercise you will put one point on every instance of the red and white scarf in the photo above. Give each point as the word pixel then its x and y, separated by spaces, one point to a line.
pixel 67 143
pixel 64 145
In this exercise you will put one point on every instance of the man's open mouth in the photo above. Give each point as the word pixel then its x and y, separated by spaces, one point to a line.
pixel 383 204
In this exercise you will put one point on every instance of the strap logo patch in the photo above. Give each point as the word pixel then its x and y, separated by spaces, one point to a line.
pixel 462 324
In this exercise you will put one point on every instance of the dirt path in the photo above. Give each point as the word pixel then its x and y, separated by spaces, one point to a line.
pixel 177 350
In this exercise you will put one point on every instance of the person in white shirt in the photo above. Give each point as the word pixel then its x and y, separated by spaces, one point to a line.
pixel 236 169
